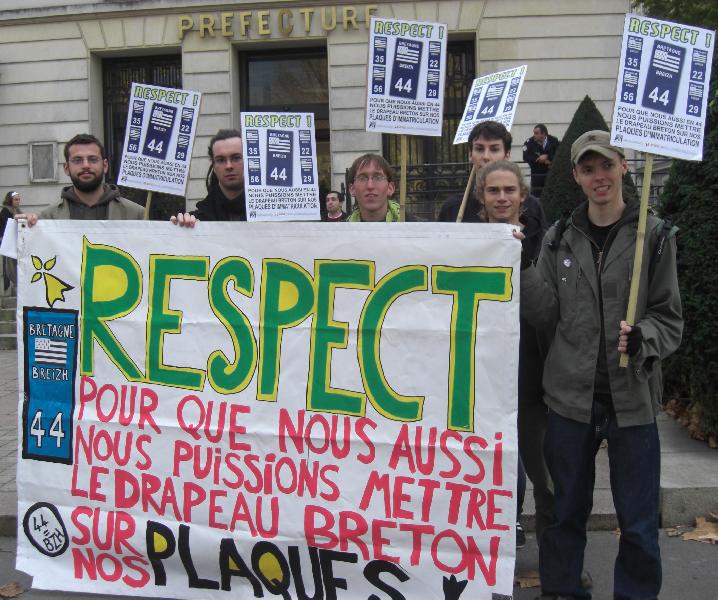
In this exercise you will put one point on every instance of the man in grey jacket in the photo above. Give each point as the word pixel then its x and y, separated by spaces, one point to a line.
pixel 577 293
pixel 89 197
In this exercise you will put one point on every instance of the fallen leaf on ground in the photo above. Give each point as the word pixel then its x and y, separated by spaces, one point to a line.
pixel 673 532
pixel 11 590
pixel 527 580
pixel 714 515
pixel 704 532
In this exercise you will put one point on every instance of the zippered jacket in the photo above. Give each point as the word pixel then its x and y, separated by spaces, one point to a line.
pixel 560 297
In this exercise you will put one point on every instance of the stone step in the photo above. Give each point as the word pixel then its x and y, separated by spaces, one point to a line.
pixel 8 301
pixel 8 327
pixel 7 314
pixel 8 341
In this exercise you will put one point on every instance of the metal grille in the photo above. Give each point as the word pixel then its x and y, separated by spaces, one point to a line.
pixel 117 76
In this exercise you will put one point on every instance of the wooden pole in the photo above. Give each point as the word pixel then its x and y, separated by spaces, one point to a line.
pixel 462 208
pixel 402 182
pixel 148 204
pixel 638 256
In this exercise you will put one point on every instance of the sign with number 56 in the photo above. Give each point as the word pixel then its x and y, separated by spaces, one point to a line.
pixel 159 137
pixel 662 88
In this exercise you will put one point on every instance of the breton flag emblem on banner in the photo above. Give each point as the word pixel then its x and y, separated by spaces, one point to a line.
pixel 53 352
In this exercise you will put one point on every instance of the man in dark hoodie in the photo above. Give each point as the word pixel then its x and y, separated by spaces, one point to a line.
pixel 501 194
pixel 89 197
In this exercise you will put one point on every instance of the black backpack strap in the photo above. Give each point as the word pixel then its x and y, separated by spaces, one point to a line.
pixel 666 230
pixel 559 227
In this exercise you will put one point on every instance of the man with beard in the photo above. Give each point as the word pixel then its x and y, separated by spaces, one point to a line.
pixel 225 183
pixel 88 198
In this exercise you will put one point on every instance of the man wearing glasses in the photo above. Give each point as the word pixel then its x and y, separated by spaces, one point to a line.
pixel 225 182
pixel 89 197
pixel 371 182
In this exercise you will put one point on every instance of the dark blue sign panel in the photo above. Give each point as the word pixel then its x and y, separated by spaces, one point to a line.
pixel 629 86
pixel 254 164
pixel 664 77
pixel 280 160
pixel 492 99
pixel 133 141
pixel 305 156
pixel 694 107
pixel 634 48
pixel 407 66
pixel 473 102
pixel 380 44
pixel 698 65
pixel 511 96
pixel 159 132
pixel 378 79
pixel 50 337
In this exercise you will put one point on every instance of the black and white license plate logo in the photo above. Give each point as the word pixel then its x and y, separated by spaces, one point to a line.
pixel 664 77
pixel 280 160
pixel 159 132
pixel 406 69
pixel 44 527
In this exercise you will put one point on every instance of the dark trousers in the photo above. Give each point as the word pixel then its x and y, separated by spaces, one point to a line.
pixel 532 430
pixel 634 462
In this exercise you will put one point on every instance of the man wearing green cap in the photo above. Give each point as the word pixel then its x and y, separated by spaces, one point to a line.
pixel 578 293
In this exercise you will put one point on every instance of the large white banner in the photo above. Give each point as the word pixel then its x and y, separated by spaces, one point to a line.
pixel 662 87
pixel 251 409
pixel 405 77
pixel 159 135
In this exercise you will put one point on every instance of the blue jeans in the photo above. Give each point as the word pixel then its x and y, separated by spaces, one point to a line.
pixel 634 460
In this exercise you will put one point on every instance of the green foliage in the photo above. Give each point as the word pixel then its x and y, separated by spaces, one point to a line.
pixel 690 199
pixel 561 193
pixel 701 13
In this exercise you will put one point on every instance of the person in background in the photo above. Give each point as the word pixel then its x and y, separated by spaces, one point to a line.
pixel 10 208
pixel 539 152
pixel 334 207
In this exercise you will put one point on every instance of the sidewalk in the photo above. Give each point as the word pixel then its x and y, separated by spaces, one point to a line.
pixel 689 469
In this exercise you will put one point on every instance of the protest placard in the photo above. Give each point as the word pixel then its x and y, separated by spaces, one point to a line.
pixel 405 77
pixel 662 88
pixel 159 136
pixel 280 166
pixel 247 408
pixel 493 97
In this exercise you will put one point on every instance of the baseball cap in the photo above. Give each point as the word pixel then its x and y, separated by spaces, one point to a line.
pixel 594 141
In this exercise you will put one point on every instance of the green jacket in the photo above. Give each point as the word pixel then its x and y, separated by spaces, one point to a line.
pixel 560 296
pixel 119 208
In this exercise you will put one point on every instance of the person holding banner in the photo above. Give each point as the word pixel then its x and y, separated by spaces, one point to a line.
pixel 488 141
pixel 225 183
pixel 502 193
pixel 577 292
pixel 89 197
pixel 371 182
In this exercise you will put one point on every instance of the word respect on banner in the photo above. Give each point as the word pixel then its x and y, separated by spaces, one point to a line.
pixel 288 296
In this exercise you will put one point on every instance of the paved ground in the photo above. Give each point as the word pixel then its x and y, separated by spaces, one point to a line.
pixel 689 475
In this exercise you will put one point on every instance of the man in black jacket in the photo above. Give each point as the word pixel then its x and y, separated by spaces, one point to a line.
pixel 225 182
pixel 539 152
